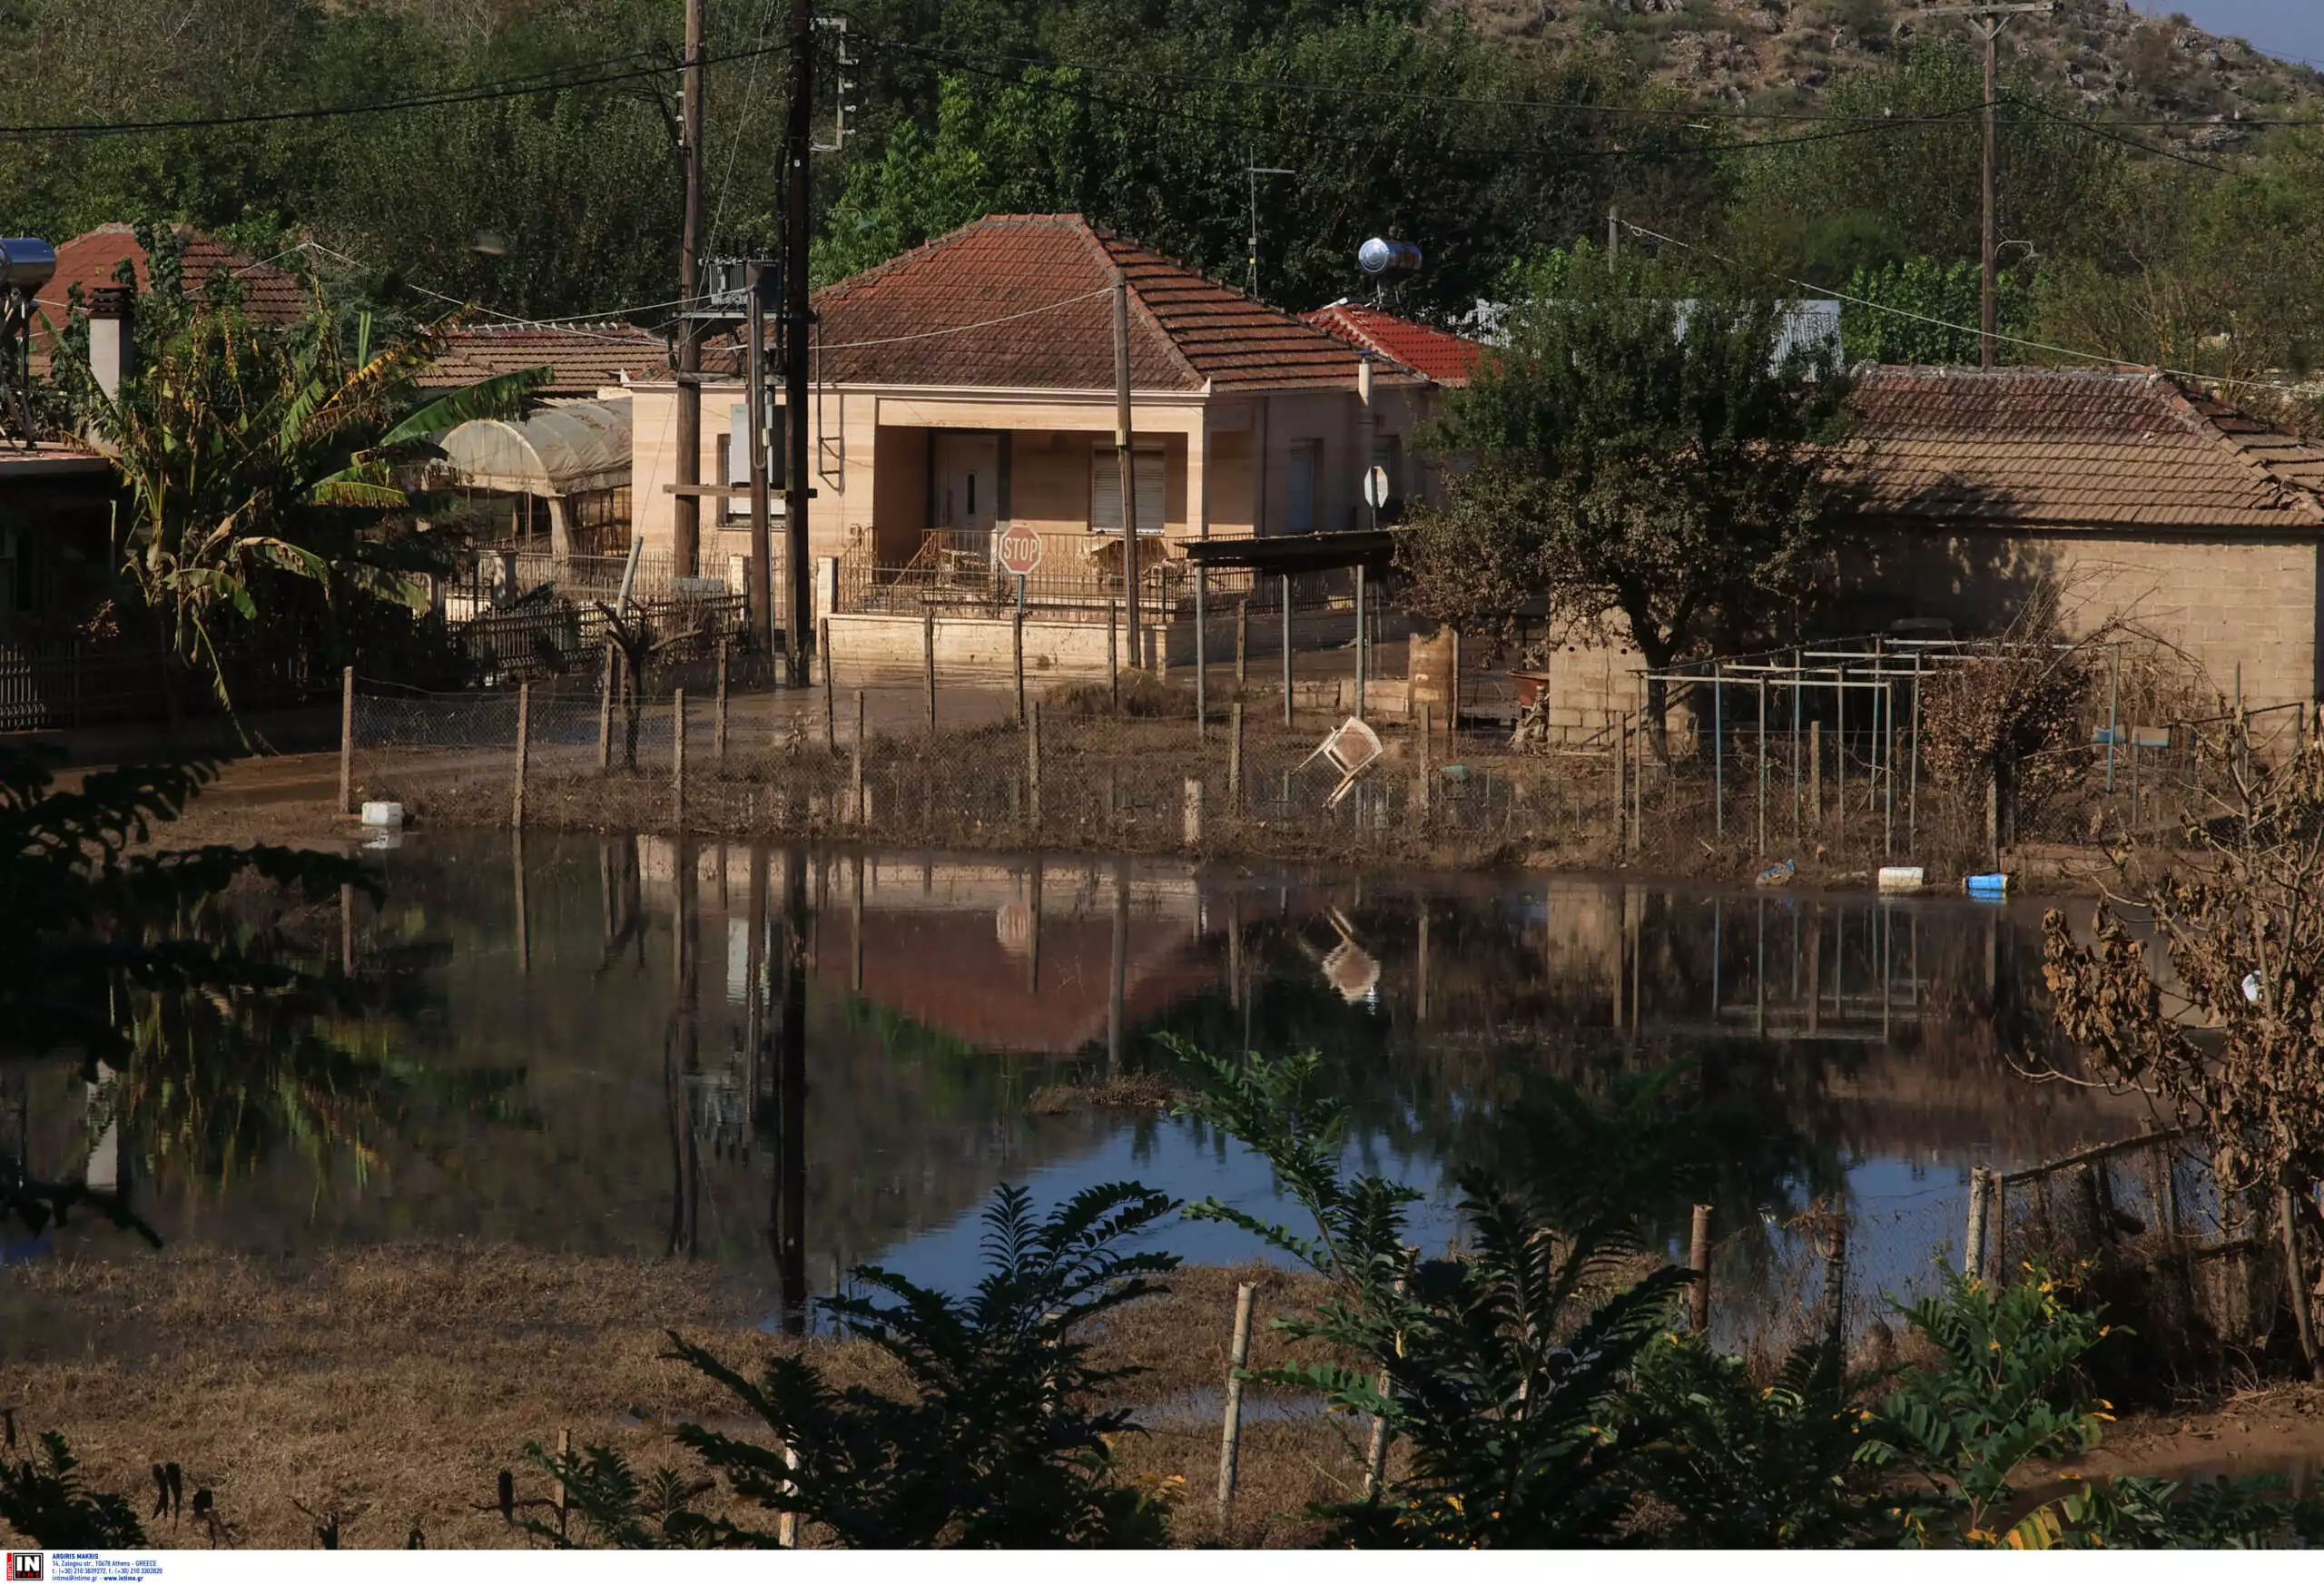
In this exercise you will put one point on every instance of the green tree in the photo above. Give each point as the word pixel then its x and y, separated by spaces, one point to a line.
pixel 253 453
pixel 1924 290
pixel 1647 469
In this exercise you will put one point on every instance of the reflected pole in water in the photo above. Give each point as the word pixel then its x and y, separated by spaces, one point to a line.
pixel 347 930
pixel 1759 976
pixel 1419 995
pixel 791 1154
pixel 1034 887
pixel 681 1059
pixel 754 990
pixel 1121 969
pixel 1815 973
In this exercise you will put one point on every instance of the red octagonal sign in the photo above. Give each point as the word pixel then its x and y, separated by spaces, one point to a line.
pixel 1019 550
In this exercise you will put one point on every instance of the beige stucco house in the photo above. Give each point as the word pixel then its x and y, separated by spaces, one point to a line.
pixel 969 385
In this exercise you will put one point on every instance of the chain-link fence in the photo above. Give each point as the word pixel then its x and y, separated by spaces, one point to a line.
pixel 898 762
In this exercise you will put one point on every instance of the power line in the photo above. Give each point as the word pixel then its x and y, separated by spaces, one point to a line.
pixel 519 87
pixel 1972 330
pixel 823 346
pixel 2099 130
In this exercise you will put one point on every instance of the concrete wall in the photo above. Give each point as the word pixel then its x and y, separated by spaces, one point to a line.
pixel 2224 600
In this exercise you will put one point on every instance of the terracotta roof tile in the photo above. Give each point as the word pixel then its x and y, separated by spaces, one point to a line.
pixel 1439 355
pixel 581 359
pixel 1019 300
pixel 88 260
pixel 2074 448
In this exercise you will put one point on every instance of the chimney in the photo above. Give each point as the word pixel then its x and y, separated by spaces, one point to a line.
pixel 112 321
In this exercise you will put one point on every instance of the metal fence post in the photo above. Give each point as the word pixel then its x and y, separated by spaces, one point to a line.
pixel 718 730
pixel 1621 792
pixel 1113 654
pixel 1202 655
pixel 1718 751
pixel 855 767
pixel 1763 767
pixel 524 747
pixel 1033 766
pixel 1242 640
pixel 606 711
pixel 1286 649
pixel 1360 640
pixel 678 759
pixel 1913 793
pixel 927 662
pixel 1016 637
pixel 346 738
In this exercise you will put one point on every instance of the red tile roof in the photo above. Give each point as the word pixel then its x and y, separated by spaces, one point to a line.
pixel 581 359
pixel 2074 448
pixel 1442 356
pixel 1019 300
pixel 88 260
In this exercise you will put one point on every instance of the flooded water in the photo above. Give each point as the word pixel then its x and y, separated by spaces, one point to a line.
pixel 793 1060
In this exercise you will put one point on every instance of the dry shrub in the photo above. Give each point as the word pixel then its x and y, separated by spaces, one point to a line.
pixel 2012 713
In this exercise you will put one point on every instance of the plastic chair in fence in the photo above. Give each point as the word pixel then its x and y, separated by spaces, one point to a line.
pixel 1349 748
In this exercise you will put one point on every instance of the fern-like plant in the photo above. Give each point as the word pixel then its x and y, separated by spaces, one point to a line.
pixel 43 1499
pixel 1506 1371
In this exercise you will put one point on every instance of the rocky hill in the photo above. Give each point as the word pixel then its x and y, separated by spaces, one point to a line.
pixel 1778 54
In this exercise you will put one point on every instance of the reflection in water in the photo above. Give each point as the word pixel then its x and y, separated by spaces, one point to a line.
pixel 791 1061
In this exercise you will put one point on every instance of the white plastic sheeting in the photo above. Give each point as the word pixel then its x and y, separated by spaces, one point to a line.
pixel 558 451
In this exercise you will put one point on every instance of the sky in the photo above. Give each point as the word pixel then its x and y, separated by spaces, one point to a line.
pixel 2285 28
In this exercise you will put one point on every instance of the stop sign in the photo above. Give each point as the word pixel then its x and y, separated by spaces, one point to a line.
pixel 1019 550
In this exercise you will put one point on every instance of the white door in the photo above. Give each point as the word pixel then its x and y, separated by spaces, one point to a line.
pixel 968 482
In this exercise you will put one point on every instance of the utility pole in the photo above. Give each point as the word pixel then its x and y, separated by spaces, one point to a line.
pixel 760 278
pixel 797 316
pixel 1251 282
pixel 1129 463
pixel 686 536
pixel 1989 20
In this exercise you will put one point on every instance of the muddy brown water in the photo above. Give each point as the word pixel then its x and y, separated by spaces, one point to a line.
pixel 792 1060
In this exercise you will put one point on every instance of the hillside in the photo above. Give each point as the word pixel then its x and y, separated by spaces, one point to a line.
pixel 1778 54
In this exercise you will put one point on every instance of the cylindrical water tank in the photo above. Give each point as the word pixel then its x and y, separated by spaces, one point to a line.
pixel 1379 255
pixel 26 263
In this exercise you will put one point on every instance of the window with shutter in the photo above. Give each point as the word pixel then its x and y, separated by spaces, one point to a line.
pixel 1304 455
pixel 1106 489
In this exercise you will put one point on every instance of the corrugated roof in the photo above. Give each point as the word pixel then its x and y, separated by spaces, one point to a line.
pixel 1440 355
pixel 1018 301
pixel 581 359
pixel 88 260
pixel 558 450
pixel 2074 448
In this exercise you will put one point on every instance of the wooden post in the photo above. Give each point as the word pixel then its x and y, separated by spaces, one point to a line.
pixel 1018 649
pixel 1241 642
pixel 1113 655
pixel 678 759
pixel 1698 1261
pixel 856 766
pixel 1997 1227
pixel 1191 832
pixel 523 753
pixel 1230 1435
pixel 1033 766
pixel 2295 1280
pixel 1993 814
pixel 1234 760
pixel 1202 653
pixel 1815 774
pixel 1426 784
pixel 563 1451
pixel 1972 1246
pixel 1376 1457
pixel 346 740
pixel 786 1526
pixel 606 711
pixel 927 662
pixel 718 715
pixel 1453 698
pixel 831 710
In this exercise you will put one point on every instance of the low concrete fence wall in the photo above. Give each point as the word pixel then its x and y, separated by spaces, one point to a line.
pixel 881 642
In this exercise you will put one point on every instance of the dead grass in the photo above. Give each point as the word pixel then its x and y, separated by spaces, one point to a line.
pixel 393 1384
pixel 1138 1091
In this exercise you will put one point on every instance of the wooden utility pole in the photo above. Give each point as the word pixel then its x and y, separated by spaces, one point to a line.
pixel 1989 20
pixel 797 317
pixel 761 589
pixel 1122 450
pixel 685 530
